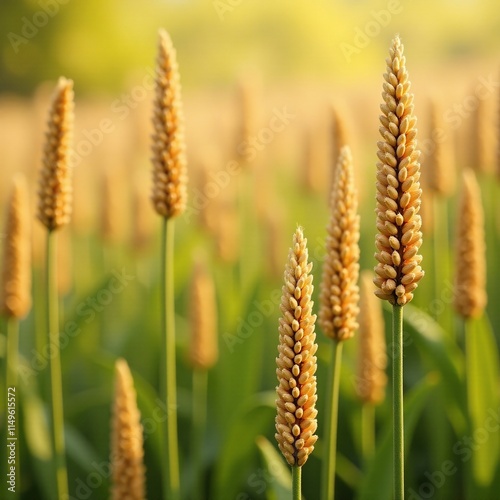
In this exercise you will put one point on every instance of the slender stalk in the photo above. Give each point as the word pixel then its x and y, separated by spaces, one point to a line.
pixel 12 351
pixel 200 379
pixel 296 482
pixel 170 453
pixel 332 408
pixel 397 401
pixel 55 392
pixel 367 431
pixel 11 367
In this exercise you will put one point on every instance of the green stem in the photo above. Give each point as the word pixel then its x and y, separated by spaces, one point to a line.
pixel 200 379
pixel 12 351
pixel 296 482
pixel 367 431
pixel 397 401
pixel 331 419
pixel 11 367
pixel 55 392
pixel 170 454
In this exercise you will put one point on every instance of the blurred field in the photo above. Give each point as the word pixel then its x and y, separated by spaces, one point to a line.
pixel 241 224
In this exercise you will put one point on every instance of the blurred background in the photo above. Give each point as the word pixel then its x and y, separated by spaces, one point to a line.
pixel 316 67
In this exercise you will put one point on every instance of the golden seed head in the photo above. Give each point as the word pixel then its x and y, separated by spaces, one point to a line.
pixel 398 188
pixel 15 298
pixel 203 352
pixel 372 358
pixel 470 274
pixel 339 139
pixel 339 295
pixel 169 194
pixel 296 362
pixel 55 191
pixel 128 472
pixel 438 164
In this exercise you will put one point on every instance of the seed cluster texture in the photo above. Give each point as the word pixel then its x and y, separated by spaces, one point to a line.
pixel 15 298
pixel 470 273
pixel 169 194
pixel 55 191
pixel 296 362
pixel 339 295
pixel 128 473
pixel 203 352
pixel 371 378
pixel 398 188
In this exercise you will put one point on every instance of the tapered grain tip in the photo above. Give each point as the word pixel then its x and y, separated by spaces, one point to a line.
pixel 16 275
pixel 296 362
pixel 169 194
pixel 371 378
pixel 339 295
pixel 55 191
pixel 203 351
pixel 128 473
pixel 470 261
pixel 398 188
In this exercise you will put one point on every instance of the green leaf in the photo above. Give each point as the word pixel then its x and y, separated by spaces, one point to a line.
pixel 444 356
pixel 481 355
pixel 278 478
pixel 38 441
pixel 379 475
pixel 234 467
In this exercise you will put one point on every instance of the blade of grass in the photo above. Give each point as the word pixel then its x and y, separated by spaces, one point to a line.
pixel 55 376
pixel 481 354
pixel 332 408
pixel 397 401
pixel 168 386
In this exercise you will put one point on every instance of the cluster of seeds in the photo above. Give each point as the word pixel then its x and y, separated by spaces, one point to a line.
pixel 169 159
pixel 15 292
pixel 398 188
pixel 339 290
pixel 470 277
pixel 296 363
pixel 55 192
pixel 126 439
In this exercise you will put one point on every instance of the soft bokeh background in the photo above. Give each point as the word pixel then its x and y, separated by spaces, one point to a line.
pixel 302 57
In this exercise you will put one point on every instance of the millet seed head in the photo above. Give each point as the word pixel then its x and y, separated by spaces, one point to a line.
pixel 127 453
pixel 296 362
pixel 339 297
pixel 55 191
pixel 15 299
pixel 169 194
pixel 398 188
pixel 470 261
